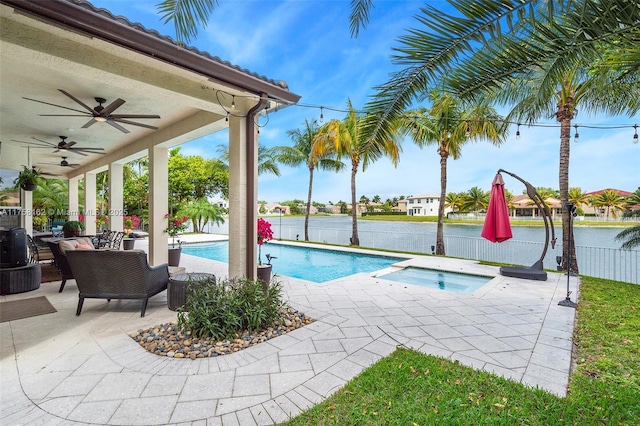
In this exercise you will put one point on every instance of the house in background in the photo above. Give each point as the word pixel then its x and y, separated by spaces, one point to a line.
pixel 602 211
pixel 424 205
pixel 523 206
pixel 401 207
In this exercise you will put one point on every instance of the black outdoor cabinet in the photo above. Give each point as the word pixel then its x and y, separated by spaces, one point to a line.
pixel 13 247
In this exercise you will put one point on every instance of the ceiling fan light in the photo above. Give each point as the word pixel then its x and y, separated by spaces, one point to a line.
pixel 100 119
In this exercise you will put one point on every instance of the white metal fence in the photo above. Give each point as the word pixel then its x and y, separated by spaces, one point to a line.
pixel 609 263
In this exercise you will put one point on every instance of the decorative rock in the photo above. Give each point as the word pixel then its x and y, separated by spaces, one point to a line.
pixel 168 340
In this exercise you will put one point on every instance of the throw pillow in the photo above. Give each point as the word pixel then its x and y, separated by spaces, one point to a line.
pixel 84 247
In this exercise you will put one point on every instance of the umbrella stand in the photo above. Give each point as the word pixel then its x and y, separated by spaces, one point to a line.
pixel 535 271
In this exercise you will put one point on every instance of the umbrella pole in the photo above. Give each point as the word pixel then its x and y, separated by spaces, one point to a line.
pixel 571 208
pixel 536 271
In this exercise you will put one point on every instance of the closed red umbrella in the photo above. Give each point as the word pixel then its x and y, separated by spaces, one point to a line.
pixel 497 227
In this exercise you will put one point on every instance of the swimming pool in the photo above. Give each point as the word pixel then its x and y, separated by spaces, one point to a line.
pixel 442 280
pixel 311 264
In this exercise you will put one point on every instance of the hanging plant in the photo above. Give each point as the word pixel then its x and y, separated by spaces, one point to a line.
pixel 28 178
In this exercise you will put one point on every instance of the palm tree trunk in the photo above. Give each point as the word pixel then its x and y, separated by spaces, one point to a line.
pixel 306 216
pixel 568 242
pixel 355 240
pixel 443 194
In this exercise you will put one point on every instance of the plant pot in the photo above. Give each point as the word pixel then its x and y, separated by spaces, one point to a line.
pixel 72 233
pixel 129 243
pixel 28 186
pixel 264 276
pixel 174 256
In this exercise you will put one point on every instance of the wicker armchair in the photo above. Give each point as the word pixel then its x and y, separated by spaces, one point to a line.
pixel 116 274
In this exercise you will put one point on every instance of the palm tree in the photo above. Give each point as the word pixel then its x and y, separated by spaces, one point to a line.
pixel 610 200
pixel 450 123
pixel 200 212
pixel 577 197
pixel 631 236
pixel 344 138
pixel 477 199
pixel 267 158
pixel 302 152
pixel 456 201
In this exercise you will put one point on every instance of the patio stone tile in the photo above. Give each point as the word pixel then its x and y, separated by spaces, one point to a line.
pixel 309 394
pixel 164 386
pixel 98 364
pixel 517 342
pixel 376 321
pixel 270 364
pixel 193 411
pixel 429 320
pixel 331 333
pixel 298 400
pixel 411 331
pixel 441 331
pixel 38 386
pixel 469 330
pixel 257 352
pixel 76 385
pixel 230 419
pixel 480 319
pixel 514 374
pixel 229 405
pixel 289 363
pixel 456 344
pixel 60 407
pixel 353 344
pixel 144 411
pixel 354 331
pixel 324 383
pixel 211 386
pixel 302 348
pixel 418 311
pixel 488 344
pixel 456 320
pixel 321 362
pixel 277 414
pixel 256 384
pixel 280 383
pixel 327 345
pixel 95 412
pixel 245 418
pixel 119 386
pixel 345 369
pixel 556 342
pixel 364 358
pixel 261 415
pixel 511 359
pixel 290 409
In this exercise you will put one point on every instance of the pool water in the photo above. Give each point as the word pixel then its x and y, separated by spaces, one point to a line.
pixel 442 280
pixel 311 264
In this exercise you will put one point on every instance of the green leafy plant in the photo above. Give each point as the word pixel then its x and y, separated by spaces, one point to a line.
pixel 175 225
pixel 27 178
pixel 72 225
pixel 224 309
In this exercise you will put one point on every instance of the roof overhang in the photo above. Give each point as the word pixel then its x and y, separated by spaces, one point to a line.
pixel 88 52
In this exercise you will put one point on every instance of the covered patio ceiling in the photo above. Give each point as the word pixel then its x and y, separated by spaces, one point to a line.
pixel 50 46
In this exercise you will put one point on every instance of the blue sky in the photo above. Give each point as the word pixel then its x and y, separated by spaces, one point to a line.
pixel 308 45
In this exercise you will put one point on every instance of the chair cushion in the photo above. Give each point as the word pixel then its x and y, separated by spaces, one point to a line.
pixel 74 244
pixel 84 247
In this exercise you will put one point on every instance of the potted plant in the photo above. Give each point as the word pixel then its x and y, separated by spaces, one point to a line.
pixel 129 223
pixel 72 228
pixel 175 225
pixel 265 234
pixel 28 178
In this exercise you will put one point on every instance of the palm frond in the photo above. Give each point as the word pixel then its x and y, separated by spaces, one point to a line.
pixel 186 15
pixel 359 16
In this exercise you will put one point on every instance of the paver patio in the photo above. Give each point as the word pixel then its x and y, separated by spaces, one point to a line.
pixel 63 369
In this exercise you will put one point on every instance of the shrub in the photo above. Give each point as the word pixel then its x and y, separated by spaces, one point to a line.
pixel 225 309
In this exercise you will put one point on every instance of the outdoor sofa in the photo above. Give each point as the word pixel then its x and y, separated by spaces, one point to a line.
pixel 116 274
pixel 59 248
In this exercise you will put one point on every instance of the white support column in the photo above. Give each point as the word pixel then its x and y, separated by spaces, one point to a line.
pixel 238 181
pixel 90 203
pixel 27 214
pixel 158 204
pixel 73 199
pixel 116 203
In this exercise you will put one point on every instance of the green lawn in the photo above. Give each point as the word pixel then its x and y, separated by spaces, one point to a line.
pixel 409 388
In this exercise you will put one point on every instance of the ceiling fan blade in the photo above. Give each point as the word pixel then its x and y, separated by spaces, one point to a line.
pixel 47 103
pixel 70 144
pixel 70 96
pixel 133 123
pixel 64 115
pixel 112 107
pixel 114 116
pixel 89 123
pixel 117 126
pixel 76 151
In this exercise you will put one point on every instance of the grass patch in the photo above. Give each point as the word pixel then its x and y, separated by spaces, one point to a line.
pixel 410 388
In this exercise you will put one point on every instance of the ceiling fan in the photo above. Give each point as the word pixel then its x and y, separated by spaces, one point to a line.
pixel 63 145
pixel 100 113
pixel 64 163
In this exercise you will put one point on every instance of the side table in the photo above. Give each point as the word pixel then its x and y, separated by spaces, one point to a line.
pixel 177 287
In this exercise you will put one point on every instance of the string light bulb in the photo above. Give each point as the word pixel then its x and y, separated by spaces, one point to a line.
pixel 321 115
pixel 466 124
pixel 576 136
pixel 635 136
pixel 233 101
pixel 226 119
pixel 518 132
